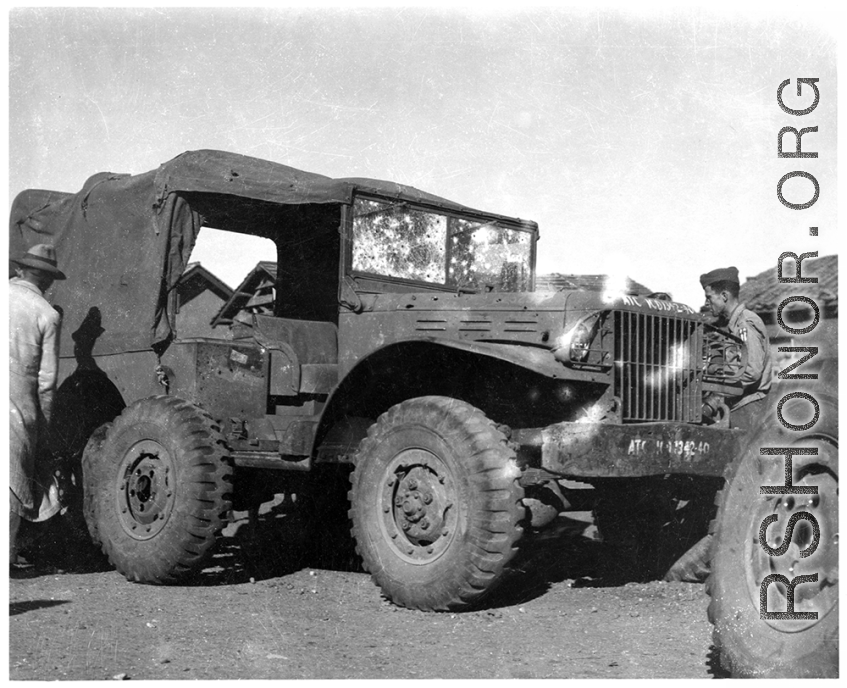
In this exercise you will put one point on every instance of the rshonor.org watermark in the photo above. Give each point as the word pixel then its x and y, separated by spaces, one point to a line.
pixel 791 580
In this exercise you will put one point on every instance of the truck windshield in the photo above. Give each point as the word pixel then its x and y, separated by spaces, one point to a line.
pixel 400 241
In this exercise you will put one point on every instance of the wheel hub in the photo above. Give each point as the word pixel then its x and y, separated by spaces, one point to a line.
pixel 145 487
pixel 418 511
pixel 819 596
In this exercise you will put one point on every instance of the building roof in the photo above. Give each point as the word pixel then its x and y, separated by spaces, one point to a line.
pixel 259 278
pixel 196 278
pixel 763 292
pixel 555 281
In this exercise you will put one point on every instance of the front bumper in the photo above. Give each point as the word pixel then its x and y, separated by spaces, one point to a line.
pixel 609 450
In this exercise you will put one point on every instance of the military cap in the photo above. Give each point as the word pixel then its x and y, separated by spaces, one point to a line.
pixel 720 275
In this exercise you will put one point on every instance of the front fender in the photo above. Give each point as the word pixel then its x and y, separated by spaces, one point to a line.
pixel 537 359
pixel 344 405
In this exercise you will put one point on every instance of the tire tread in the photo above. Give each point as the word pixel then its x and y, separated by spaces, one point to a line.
pixel 494 532
pixel 185 544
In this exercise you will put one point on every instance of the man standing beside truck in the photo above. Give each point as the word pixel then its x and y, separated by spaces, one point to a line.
pixel 33 356
pixel 721 288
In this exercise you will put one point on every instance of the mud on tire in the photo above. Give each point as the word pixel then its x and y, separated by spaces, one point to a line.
pixel 158 485
pixel 89 466
pixel 435 504
pixel 747 645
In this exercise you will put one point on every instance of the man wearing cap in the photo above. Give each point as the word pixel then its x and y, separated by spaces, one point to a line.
pixel 34 355
pixel 721 288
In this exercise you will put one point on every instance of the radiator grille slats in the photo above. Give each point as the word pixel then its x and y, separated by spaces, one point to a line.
pixel 657 367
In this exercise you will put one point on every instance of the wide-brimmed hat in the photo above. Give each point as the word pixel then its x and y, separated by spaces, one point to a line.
pixel 41 257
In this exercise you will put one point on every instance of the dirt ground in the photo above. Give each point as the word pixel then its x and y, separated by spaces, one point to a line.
pixel 258 613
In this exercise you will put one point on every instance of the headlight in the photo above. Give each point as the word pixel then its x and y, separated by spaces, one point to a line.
pixel 573 345
pixel 580 340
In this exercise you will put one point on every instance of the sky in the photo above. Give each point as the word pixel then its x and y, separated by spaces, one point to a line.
pixel 643 143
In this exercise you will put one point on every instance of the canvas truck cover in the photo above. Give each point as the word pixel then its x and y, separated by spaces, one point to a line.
pixel 124 240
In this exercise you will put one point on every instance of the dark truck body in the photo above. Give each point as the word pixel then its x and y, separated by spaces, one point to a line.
pixel 585 386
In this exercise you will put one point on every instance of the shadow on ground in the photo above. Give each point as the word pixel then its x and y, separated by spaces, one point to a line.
pixel 16 608
pixel 565 550
pixel 281 541
pixel 283 537
pixel 59 545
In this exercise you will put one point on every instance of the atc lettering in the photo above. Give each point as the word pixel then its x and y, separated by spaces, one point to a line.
pixel 638 447
pixel 655 304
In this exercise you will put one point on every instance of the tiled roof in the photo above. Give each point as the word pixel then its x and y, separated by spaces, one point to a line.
pixel 763 292
pixel 555 281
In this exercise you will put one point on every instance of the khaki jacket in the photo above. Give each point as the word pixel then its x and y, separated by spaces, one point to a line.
pixel 758 375
pixel 33 369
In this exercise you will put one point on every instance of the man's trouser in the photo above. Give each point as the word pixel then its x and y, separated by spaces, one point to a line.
pixel 748 416
pixel 14 525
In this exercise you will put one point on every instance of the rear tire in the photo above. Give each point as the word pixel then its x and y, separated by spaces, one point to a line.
pixel 89 464
pixel 160 485
pixel 436 504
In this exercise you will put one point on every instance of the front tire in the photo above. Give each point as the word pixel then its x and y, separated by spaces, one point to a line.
pixel 161 487
pixel 435 504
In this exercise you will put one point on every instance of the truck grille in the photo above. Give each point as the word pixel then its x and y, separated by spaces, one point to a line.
pixel 658 367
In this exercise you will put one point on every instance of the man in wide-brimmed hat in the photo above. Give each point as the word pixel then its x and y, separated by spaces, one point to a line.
pixel 34 355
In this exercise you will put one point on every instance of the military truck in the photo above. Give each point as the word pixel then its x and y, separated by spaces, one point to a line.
pixel 406 349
